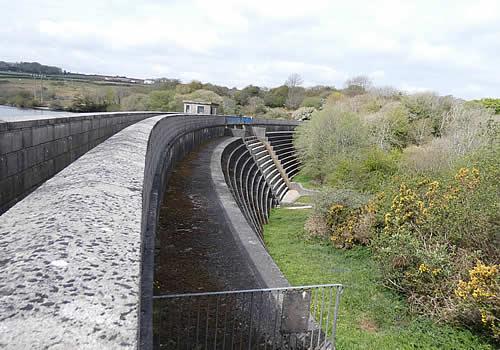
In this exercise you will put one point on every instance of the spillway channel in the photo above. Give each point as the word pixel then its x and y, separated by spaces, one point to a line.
pixel 195 250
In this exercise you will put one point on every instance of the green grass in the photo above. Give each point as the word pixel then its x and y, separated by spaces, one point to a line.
pixel 371 316
pixel 306 181
pixel 304 200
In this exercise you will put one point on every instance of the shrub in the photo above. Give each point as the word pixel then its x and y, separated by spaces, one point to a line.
pixel 366 103
pixel 345 197
pixel 276 97
pixel 56 105
pixel 161 100
pixel 332 133
pixel 493 103
pixel 343 216
pixel 420 131
pixel 276 113
pixel 430 158
pixel 135 102
pixel 428 106
pixel 205 96
pixel 229 105
pixel 467 127
pixel 432 233
pixel 366 170
pixel 255 106
pixel 350 226
pixel 312 101
pixel 316 226
pixel 390 126
pixel 87 104
pixel 481 292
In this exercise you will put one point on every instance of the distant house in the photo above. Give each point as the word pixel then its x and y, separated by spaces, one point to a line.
pixel 194 107
pixel 149 81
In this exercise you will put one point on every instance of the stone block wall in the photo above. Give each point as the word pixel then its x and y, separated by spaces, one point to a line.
pixel 33 151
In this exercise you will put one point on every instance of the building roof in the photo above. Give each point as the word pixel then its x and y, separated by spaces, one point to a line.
pixel 202 103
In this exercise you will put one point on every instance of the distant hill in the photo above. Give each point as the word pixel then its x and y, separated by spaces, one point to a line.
pixel 29 67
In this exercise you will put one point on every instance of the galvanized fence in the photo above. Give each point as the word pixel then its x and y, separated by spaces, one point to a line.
pixel 302 317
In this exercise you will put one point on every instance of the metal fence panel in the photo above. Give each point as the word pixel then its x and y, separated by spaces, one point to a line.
pixel 302 317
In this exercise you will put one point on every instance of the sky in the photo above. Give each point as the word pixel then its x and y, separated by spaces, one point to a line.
pixel 446 46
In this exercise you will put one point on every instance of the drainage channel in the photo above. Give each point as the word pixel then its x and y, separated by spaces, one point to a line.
pixel 196 258
pixel 194 249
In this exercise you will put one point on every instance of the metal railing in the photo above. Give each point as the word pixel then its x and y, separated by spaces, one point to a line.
pixel 302 317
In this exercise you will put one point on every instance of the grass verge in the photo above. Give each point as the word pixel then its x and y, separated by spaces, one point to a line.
pixel 371 317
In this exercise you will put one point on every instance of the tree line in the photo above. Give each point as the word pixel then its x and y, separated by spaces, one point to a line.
pixel 29 67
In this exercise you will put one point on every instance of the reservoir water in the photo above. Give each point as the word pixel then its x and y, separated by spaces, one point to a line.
pixel 10 114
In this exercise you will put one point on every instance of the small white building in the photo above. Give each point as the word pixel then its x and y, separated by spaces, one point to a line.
pixel 194 107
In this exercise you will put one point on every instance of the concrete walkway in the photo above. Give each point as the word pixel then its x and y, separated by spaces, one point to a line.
pixel 195 249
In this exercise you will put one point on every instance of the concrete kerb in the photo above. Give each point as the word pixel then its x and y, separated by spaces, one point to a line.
pixel 263 265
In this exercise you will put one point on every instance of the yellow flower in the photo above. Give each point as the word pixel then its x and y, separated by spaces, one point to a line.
pixel 435 272
pixel 423 268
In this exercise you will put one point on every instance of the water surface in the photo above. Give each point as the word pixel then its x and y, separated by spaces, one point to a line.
pixel 11 114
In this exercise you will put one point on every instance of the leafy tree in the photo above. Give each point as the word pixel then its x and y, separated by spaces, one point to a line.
pixel 332 134
pixel 276 97
pixel 195 85
pixel 313 101
pixel 30 67
pixel 255 106
pixel 229 105
pixel 319 90
pixel 219 90
pixel 183 89
pixel 161 100
pixel 135 102
pixel 390 126
pixel 204 96
pixel 241 97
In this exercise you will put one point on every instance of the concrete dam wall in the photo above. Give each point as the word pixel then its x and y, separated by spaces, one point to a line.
pixel 33 151
pixel 257 171
pixel 76 265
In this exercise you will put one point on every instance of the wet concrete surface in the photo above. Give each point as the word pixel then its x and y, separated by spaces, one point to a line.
pixel 195 249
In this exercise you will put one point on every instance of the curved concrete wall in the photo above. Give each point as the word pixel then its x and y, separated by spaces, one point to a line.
pixel 282 144
pixel 245 236
pixel 33 151
pixel 247 184
pixel 246 171
pixel 77 252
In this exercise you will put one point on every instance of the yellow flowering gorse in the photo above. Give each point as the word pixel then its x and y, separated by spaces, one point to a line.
pixel 483 289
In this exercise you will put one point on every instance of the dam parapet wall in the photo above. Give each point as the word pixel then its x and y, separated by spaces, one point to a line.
pixel 32 151
pixel 77 252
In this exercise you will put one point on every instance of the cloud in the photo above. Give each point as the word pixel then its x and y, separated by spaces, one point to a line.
pixel 446 46
pixel 439 53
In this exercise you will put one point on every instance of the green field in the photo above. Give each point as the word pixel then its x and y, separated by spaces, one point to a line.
pixel 371 316
pixel 18 89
